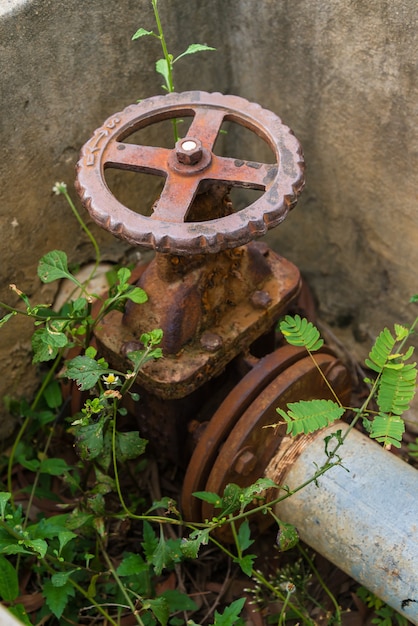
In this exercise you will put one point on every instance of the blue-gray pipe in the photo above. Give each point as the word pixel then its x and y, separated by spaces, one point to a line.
pixel 364 520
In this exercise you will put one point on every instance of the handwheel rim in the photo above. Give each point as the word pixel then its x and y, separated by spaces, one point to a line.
pixel 282 182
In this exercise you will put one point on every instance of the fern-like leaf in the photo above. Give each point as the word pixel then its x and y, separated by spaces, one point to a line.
pixel 381 350
pixel 401 332
pixel 307 416
pixel 388 429
pixel 397 388
pixel 299 332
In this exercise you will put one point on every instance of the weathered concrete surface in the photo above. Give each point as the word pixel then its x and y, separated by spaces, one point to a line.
pixel 342 74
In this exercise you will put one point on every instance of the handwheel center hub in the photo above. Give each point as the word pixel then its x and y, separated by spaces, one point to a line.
pixel 189 157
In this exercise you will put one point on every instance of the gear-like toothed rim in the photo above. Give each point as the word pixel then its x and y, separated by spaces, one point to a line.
pixel 192 237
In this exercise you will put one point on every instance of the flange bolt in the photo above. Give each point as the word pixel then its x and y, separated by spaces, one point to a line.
pixel 245 462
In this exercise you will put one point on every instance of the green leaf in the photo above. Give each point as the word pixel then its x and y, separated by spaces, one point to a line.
pixel 13 548
pixel 209 496
pixel 287 536
pixel 64 537
pixel 256 489
pixel 244 536
pixel 388 430
pixel 54 266
pixel 53 394
pixel 85 371
pixel 408 353
pixel 60 579
pixel 89 441
pixel 137 295
pixel 129 445
pixel 190 547
pixel 397 389
pixel 165 553
pixel 307 416
pixel 246 563
pixel 153 338
pixel 150 542
pixel 79 307
pixel 48 528
pixel 91 352
pixel 6 317
pixel 194 47
pixel 299 332
pixel 57 598
pixel 91 590
pixel 231 500
pixel 380 351
pixel 123 275
pixel 141 32
pixel 401 332
pixel 4 499
pixel 231 614
pixel 45 344
pixel 159 608
pixel 38 545
pixel 178 601
pixel 162 68
pixel 54 467
pixel 9 582
pixel 19 611
pixel 131 564
pixel 77 519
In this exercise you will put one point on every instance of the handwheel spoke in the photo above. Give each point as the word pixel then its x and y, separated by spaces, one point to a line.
pixel 206 126
pixel 248 174
pixel 127 156
pixel 175 199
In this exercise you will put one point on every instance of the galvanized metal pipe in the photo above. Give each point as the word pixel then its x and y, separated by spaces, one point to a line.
pixel 364 520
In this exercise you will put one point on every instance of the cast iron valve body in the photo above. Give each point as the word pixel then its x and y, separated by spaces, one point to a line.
pixel 210 307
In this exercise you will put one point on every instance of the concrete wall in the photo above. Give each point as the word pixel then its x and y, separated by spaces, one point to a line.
pixel 342 74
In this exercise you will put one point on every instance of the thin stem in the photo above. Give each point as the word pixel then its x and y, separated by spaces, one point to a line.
pixel 328 384
pixel 282 616
pixel 322 583
pixel 36 480
pixel 276 592
pixel 264 507
pixel 121 586
pixel 235 536
pixel 168 59
pixel 86 230
pixel 83 593
pixel 25 424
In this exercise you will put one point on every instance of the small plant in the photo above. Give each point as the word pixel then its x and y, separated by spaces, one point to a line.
pixel 392 389
pixel 384 615
pixel 164 67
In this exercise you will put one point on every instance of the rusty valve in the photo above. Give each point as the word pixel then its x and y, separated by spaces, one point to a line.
pixel 173 227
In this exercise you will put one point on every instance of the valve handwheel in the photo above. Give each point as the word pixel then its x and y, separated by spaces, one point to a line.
pixel 185 167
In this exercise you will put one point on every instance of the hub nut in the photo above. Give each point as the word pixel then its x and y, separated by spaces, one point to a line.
pixel 189 151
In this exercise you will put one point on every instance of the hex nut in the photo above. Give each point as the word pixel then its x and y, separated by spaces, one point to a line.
pixel 189 151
